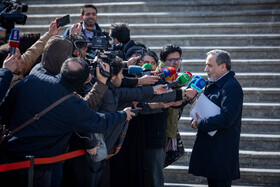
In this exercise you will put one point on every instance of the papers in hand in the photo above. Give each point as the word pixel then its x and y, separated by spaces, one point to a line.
pixel 205 108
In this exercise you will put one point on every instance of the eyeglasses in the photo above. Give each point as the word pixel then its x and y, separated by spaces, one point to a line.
pixel 173 60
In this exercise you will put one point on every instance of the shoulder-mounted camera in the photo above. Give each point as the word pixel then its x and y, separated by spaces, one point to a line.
pixel 11 13
pixel 101 41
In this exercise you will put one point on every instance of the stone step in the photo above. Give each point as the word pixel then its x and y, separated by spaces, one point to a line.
pixel 181 28
pixel 200 185
pixel 155 6
pixel 256 142
pixel 256 110
pixel 213 39
pixel 249 176
pixel 261 95
pixel 238 65
pixel 165 17
pixel 246 52
pixel 198 2
pixel 256 159
pixel 249 125
pixel 262 80
pixel 267 95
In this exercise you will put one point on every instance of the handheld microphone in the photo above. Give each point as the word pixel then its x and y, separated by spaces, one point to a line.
pixel 167 72
pixel 193 80
pixel 197 83
pixel 189 73
pixel 135 70
pixel 147 66
pixel 172 78
pixel 14 41
pixel 181 80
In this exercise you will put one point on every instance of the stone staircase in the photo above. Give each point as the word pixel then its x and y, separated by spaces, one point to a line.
pixel 249 30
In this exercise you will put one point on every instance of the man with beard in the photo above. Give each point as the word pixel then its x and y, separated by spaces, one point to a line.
pixel 88 23
pixel 217 157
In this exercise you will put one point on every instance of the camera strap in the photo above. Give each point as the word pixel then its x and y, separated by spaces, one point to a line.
pixel 37 116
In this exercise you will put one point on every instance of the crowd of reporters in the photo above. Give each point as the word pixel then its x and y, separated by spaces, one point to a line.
pixel 107 85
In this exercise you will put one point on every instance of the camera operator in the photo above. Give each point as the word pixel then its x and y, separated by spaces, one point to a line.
pixel 10 66
pixel 11 13
pixel 121 35
pixel 88 23
pixel 58 49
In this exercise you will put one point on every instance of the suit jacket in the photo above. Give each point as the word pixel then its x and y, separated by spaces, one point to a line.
pixel 217 157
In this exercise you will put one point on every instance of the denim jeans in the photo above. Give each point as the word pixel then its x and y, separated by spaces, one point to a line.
pixel 154 167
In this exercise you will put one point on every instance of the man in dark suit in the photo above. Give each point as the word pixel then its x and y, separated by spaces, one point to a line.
pixel 217 157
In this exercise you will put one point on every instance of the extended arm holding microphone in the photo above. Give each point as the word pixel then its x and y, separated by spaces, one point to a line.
pixel 147 80
pixel 14 41
pixel 11 62
pixel 181 80
pixel 198 83
pixel 29 58
pixel 167 72
pixel 143 80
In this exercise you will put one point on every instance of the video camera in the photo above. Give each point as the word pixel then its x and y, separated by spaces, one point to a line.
pixel 97 51
pixel 100 43
pixel 10 13
pixel 103 42
pixel 107 57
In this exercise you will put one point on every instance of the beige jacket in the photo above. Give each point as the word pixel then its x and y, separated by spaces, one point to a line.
pixel 30 57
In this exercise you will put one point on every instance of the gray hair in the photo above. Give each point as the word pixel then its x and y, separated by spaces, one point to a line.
pixel 222 57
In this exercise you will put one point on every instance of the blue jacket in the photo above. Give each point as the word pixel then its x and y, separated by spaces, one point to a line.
pixel 48 135
pixel 217 157
pixel 5 80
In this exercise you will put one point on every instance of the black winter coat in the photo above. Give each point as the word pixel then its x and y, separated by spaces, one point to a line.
pixel 217 157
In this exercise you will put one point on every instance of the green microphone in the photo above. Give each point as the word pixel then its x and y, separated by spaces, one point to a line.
pixel 181 80
pixel 147 69
pixel 147 66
